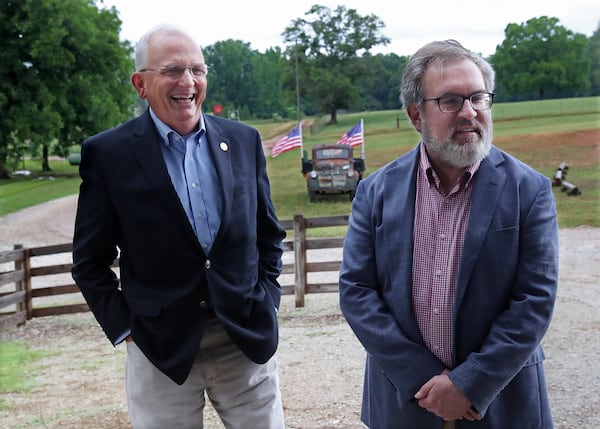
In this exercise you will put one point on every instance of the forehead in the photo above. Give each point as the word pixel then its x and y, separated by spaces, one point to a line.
pixel 453 75
pixel 173 47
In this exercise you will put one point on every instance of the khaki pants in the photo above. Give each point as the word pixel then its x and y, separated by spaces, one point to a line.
pixel 448 425
pixel 244 394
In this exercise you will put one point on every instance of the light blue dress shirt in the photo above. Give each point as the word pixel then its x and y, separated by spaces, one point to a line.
pixel 195 179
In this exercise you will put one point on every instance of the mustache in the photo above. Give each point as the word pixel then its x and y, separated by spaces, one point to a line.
pixel 467 125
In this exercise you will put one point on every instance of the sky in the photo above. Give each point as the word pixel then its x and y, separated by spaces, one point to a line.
pixel 477 24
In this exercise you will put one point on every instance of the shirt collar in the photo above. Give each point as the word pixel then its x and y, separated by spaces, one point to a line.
pixel 425 166
pixel 164 129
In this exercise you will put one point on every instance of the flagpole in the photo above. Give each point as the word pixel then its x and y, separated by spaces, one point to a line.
pixel 301 140
pixel 362 132
pixel 297 85
pixel 298 100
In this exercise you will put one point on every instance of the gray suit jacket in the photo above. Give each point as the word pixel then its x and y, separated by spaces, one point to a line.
pixel 504 301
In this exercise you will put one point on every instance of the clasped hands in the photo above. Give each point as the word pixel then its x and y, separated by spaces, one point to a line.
pixel 441 397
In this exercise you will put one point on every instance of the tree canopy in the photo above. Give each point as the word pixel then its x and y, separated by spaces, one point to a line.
pixel 595 61
pixel 64 75
pixel 327 43
pixel 541 59
pixel 242 78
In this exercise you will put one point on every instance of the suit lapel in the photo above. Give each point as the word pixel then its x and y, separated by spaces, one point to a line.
pixel 147 149
pixel 398 222
pixel 487 189
pixel 220 149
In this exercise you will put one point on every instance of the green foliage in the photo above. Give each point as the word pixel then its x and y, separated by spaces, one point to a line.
pixel 327 43
pixel 16 362
pixel 541 59
pixel 594 47
pixel 334 35
pixel 64 74
pixel 230 74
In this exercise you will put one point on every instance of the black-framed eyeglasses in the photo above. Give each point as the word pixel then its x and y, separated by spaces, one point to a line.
pixel 175 71
pixel 451 103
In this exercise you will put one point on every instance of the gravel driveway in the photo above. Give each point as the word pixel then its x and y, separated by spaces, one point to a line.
pixel 79 384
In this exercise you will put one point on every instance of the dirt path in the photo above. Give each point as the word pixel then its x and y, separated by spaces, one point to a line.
pixel 79 384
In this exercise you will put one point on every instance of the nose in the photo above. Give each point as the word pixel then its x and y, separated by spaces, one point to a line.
pixel 187 76
pixel 467 109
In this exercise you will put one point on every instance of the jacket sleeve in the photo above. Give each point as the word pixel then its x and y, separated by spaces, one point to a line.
pixel 270 234
pixel 511 291
pixel 95 250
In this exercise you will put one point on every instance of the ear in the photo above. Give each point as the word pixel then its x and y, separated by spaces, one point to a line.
pixel 414 113
pixel 138 83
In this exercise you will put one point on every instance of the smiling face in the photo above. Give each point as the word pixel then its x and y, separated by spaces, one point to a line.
pixel 177 101
pixel 455 139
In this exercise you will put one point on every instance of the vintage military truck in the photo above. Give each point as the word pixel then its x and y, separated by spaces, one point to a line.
pixel 332 170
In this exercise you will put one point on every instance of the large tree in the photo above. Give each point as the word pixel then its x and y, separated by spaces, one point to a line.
pixel 595 62
pixel 230 76
pixel 64 75
pixel 326 45
pixel 541 59
pixel 243 79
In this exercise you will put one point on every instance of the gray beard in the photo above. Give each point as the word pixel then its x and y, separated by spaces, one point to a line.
pixel 455 154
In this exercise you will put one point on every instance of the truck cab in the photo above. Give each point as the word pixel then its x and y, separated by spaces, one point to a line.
pixel 332 170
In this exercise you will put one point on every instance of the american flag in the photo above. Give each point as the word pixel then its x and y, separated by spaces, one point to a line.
pixel 289 142
pixel 354 137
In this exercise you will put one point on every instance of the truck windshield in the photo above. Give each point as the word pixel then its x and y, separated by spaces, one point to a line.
pixel 332 153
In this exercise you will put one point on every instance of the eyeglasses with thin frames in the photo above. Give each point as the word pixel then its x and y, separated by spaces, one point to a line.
pixel 175 71
pixel 451 103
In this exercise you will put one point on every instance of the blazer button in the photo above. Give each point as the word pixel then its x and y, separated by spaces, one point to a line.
pixel 207 264
pixel 203 304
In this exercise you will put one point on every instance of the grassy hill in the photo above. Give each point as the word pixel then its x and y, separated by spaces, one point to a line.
pixel 541 133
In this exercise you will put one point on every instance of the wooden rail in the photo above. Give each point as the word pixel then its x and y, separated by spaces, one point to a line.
pixel 29 286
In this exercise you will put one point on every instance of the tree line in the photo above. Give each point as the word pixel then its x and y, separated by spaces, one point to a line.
pixel 64 72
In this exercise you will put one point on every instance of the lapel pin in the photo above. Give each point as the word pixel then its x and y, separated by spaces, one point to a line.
pixel 224 146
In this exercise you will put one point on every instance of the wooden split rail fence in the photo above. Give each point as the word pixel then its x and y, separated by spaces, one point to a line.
pixel 36 281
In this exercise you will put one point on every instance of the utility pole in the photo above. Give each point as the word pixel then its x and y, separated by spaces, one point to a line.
pixel 297 85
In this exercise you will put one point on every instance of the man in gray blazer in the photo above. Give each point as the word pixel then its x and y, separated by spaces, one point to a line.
pixel 450 264
pixel 184 200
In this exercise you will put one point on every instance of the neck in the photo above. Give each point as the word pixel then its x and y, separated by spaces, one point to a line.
pixel 448 175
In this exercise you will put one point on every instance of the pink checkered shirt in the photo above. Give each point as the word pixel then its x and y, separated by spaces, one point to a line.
pixel 439 233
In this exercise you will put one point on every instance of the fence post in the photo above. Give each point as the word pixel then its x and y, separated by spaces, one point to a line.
pixel 299 259
pixel 28 284
pixel 25 265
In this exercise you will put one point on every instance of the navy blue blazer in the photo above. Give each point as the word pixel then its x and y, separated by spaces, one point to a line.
pixel 504 301
pixel 167 285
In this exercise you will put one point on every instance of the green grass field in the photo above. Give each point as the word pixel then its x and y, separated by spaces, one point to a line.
pixel 16 361
pixel 541 133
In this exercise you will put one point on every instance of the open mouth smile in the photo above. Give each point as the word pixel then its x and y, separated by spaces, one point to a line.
pixel 183 98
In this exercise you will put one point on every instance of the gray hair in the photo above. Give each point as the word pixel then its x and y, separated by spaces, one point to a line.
pixel 411 85
pixel 141 47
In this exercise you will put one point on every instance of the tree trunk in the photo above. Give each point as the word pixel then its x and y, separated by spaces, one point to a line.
pixel 45 163
pixel 333 119
pixel 4 172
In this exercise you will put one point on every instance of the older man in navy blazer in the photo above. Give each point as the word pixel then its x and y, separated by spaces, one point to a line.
pixel 183 200
pixel 449 270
